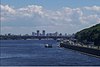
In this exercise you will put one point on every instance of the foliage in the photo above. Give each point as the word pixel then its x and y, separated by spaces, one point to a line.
pixel 91 34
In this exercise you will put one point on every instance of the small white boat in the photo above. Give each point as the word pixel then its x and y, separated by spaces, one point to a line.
pixel 58 45
pixel 48 45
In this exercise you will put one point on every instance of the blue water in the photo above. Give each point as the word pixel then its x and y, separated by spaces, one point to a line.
pixel 33 52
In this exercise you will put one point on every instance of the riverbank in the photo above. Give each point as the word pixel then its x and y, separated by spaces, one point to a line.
pixel 86 50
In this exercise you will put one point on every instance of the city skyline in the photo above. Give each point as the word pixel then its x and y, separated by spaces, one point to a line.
pixel 44 33
pixel 41 33
pixel 65 16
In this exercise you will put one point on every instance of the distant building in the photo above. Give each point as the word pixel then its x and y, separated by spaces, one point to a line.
pixel 47 34
pixel 65 34
pixel 38 32
pixel 26 35
pixel 60 34
pixel 43 32
pixel 56 34
pixel 50 34
pixel 33 33
pixel 9 34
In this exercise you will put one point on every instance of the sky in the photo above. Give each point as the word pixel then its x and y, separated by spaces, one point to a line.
pixel 63 16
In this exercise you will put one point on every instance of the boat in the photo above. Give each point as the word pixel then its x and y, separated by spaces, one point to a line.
pixel 58 45
pixel 48 45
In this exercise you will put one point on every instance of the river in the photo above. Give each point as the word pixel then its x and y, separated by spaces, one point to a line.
pixel 33 53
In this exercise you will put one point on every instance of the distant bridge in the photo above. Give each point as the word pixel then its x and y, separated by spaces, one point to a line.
pixel 33 37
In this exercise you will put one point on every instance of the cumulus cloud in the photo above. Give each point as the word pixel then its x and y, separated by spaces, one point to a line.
pixel 63 18
pixel 7 8
pixel 94 8
pixel 31 9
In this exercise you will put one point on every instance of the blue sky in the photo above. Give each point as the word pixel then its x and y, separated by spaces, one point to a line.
pixel 52 4
pixel 65 16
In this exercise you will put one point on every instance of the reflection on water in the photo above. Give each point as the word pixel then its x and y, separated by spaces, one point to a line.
pixel 33 52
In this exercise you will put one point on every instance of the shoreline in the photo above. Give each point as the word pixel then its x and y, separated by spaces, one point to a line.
pixel 85 50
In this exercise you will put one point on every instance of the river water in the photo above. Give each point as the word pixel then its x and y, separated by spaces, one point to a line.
pixel 33 53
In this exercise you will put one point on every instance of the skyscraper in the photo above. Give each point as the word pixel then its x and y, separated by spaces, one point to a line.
pixel 33 33
pixel 38 32
pixel 43 32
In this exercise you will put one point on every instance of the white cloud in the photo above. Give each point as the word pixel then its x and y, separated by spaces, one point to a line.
pixel 62 19
pixel 31 9
pixel 91 19
pixel 7 8
pixel 94 8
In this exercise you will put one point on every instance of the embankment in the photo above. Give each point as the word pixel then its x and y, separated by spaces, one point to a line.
pixel 91 51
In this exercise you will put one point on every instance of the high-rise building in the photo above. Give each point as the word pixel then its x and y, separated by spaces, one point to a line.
pixel 65 34
pixel 33 33
pixel 56 34
pixel 60 34
pixel 38 32
pixel 43 32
